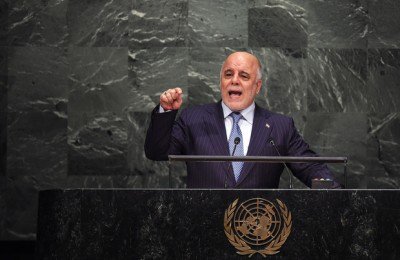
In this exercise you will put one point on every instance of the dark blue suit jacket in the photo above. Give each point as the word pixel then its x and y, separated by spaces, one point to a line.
pixel 200 130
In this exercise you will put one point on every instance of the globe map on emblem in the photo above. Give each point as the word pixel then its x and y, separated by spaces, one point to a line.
pixel 257 221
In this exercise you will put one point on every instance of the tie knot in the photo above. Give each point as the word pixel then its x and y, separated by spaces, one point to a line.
pixel 236 117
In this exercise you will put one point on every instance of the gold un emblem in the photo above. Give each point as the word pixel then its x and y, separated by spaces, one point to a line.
pixel 257 226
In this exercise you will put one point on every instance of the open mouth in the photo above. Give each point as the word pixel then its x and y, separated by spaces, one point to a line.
pixel 234 93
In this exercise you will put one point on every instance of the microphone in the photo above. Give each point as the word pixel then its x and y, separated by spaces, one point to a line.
pixel 236 142
pixel 271 141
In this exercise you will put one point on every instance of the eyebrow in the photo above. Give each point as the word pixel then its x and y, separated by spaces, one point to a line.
pixel 240 72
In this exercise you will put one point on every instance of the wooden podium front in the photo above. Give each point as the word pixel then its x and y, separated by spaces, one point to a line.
pixel 218 224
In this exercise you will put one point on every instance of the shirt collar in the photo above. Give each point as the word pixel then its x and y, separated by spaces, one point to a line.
pixel 247 113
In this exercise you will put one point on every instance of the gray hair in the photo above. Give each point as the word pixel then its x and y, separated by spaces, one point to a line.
pixel 259 71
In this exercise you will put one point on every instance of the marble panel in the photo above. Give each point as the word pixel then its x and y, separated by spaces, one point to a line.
pixel 341 134
pixel 285 80
pixel 383 151
pixel 37 22
pixel 384 30
pixel 100 23
pixel 152 71
pixel 337 80
pixel 98 100
pixel 159 23
pixel 37 111
pixel 277 24
pixel 337 23
pixel 217 23
pixel 99 147
pixel 99 64
pixel 383 95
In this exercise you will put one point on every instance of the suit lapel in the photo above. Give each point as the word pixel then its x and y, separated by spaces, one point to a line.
pixel 215 126
pixel 260 133
pixel 216 131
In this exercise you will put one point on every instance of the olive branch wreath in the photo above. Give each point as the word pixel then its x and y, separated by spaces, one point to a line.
pixel 242 247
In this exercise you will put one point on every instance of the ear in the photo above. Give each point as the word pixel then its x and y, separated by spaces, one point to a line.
pixel 259 84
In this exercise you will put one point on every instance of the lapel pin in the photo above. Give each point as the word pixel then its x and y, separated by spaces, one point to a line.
pixel 267 125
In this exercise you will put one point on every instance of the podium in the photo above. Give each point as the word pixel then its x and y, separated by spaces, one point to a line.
pixel 200 224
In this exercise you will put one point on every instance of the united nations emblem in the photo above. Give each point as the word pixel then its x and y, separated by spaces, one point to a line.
pixel 257 226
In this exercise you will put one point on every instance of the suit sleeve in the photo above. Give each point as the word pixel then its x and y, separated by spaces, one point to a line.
pixel 165 135
pixel 158 135
pixel 306 172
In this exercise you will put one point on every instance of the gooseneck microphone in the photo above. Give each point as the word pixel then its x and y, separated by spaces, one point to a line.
pixel 271 141
pixel 236 142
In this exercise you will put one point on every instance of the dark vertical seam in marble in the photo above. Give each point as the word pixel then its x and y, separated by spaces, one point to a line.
pixel 3 114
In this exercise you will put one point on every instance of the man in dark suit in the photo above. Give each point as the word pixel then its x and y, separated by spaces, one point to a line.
pixel 234 125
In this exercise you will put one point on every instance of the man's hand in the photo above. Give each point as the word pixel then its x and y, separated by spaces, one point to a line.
pixel 171 99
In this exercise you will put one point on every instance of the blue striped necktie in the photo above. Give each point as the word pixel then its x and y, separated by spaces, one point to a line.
pixel 236 166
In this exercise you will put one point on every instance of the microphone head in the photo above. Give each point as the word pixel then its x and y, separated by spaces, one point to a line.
pixel 271 141
pixel 236 141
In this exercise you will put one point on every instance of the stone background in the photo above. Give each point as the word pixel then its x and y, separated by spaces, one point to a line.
pixel 79 78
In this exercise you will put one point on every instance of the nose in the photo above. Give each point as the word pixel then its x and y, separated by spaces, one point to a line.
pixel 235 79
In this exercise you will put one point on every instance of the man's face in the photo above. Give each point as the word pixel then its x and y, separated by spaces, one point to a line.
pixel 239 82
